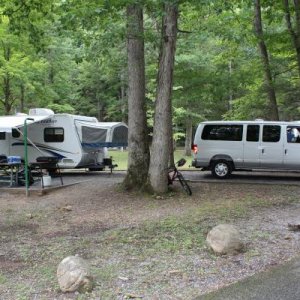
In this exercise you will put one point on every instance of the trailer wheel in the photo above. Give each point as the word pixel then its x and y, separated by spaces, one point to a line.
pixel 221 168
pixel 96 169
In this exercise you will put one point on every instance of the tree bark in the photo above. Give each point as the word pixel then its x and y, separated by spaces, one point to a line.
pixel 100 109
pixel 7 102
pixel 123 98
pixel 172 148
pixel 297 12
pixel 22 98
pixel 188 137
pixel 7 94
pixel 160 151
pixel 294 33
pixel 258 29
pixel 138 149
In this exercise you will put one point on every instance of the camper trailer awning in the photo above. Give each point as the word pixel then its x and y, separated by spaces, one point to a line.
pixel 7 123
pixel 102 134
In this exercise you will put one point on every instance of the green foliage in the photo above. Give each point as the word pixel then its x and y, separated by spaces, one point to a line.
pixel 20 68
pixel 62 108
pixel 71 56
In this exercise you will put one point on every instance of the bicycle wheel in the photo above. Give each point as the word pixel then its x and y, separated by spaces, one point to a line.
pixel 184 184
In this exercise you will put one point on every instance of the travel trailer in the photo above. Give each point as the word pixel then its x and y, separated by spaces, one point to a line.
pixel 76 141
pixel 226 146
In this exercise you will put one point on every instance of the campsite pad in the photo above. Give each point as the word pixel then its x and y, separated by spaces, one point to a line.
pixel 70 177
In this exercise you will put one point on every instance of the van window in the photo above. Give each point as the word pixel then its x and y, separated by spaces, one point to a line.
pixel 54 135
pixel 2 135
pixel 15 133
pixel 293 134
pixel 222 132
pixel 271 133
pixel 252 133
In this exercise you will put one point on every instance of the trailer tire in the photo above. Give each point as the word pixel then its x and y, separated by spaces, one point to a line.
pixel 221 168
pixel 95 169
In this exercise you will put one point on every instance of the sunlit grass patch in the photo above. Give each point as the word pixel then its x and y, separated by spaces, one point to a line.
pixel 168 235
pixel 120 158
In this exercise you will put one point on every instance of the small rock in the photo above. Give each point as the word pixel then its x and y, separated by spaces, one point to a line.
pixel 67 208
pixel 132 296
pixel 73 274
pixel 29 216
pixel 123 278
pixel 175 272
pixel 225 239
pixel 293 227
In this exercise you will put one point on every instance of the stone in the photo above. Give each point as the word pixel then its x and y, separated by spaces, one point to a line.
pixel 225 239
pixel 293 227
pixel 29 216
pixel 67 208
pixel 73 274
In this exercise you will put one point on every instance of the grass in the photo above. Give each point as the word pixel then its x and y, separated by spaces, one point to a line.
pixel 3 278
pixel 120 158
pixel 152 255
pixel 170 235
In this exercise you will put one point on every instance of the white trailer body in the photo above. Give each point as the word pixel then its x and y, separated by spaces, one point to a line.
pixel 77 141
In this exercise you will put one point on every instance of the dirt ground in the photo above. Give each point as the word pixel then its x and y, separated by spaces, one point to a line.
pixel 142 246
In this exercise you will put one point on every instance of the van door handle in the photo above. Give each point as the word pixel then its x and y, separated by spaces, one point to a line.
pixel 262 150
pixel 285 151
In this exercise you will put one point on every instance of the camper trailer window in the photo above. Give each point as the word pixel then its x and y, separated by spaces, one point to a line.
pixel 2 135
pixel 54 135
pixel 15 133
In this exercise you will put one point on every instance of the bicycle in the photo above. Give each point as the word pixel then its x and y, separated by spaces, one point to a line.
pixel 174 174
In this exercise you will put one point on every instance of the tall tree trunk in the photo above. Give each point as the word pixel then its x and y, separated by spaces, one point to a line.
pixel 100 108
pixel 188 137
pixel 297 12
pixel 138 154
pixel 162 134
pixel 265 60
pixel 294 33
pixel 7 94
pixel 7 101
pixel 172 148
pixel 22 99
pixel 123 98
pixel 230 86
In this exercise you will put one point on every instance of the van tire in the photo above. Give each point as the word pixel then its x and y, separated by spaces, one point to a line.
pixel 221 168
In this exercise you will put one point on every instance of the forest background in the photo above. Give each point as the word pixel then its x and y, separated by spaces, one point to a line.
pixel 71 57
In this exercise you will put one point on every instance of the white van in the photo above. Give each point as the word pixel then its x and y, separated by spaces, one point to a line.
pixel 226 146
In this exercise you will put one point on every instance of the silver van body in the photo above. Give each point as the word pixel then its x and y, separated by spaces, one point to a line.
pixel 225 146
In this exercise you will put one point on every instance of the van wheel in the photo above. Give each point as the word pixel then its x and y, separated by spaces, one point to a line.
pixel 221 169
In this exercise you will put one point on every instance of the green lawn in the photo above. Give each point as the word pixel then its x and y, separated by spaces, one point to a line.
pixel 120 158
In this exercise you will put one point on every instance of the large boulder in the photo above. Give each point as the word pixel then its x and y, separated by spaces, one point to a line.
pixel 73 274
pixel 225 239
